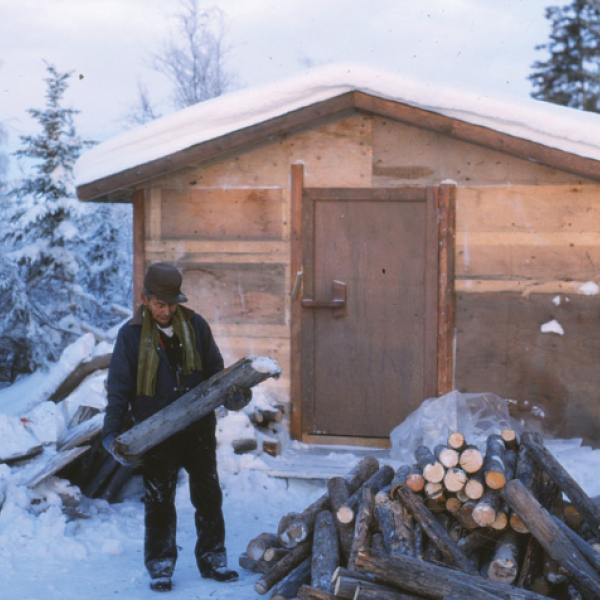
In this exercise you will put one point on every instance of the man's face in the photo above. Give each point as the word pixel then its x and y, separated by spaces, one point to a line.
pixel 161 312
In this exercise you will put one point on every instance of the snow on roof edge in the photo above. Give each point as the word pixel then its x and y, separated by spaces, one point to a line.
pixel 565 129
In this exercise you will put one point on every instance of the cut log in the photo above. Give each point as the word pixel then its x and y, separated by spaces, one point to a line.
pixel 517 524
pixel 364 592
pixel 244 445
pixel 453 505
pixel 307 592
pixel 260 544
pixel 531 564
pixel 446 455
pixel 420 540
pixel 475 486
pixel 465 515
pixel 509 437
pixel 433 491
pixel 75 378
pixel 362 527
pixel 584 547
pixel 272 555
pixel 289 587
pixel 556 543
pixel 395 524
pixel 82 433
pixel 195 404
pixel 53 465
pixel 266 416
pixel 433 471
pixel 347 583
pixel 493 465
pixel 325 552
pixel 572 516
pixel 432 581
pixel 376 482
pixel 83 413
pixel 102 475
pixel 588 510
pixel 477 540
pixel 456 440
pixel 412 476
pixel 377 542
pixel 338 496
pixel 501 521
pixel 285 566
pixel 295 528
pixel 272 447
pixel 455 479
pixel 504 566
pixel 484 513
pixel 471 459
pixel 256 566
pixel 435 532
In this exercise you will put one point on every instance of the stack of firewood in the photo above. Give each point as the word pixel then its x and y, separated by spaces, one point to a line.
pixel 459 523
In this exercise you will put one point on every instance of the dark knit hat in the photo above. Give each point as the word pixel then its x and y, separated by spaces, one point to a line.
pixel 164 281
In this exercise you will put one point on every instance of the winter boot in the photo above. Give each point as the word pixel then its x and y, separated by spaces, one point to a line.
pixel 221 574
pixel 160 584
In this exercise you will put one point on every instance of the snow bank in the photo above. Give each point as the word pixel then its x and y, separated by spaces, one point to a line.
pixel 555 126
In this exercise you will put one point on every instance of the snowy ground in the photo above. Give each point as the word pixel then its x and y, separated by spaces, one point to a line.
pixel 46 556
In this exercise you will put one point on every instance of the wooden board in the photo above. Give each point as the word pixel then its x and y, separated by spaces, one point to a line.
pixel 334 153
pixel 238 293
pixel 364 373
pixel 407 155
pixel 501 349
pixel 221 214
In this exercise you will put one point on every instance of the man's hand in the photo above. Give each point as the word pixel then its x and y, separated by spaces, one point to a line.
pixel 110 445
pixel 238 398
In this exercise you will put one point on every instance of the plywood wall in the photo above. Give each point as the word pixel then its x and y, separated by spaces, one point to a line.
pixel 527 237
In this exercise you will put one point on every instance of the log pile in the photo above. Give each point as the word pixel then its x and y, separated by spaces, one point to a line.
pixel 462 522
pixel 76 452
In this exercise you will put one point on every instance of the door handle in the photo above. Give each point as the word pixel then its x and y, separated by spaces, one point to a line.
pixel 337 302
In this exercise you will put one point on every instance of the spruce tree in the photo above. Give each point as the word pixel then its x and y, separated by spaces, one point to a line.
pixel 571 75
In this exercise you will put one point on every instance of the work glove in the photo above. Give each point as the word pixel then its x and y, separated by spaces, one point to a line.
pixel 237 398
pixel 110 445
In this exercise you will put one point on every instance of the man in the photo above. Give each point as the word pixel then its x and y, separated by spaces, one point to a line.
pixel 164 351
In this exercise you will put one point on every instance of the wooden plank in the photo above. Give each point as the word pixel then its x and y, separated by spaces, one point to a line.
pixel 236 293
pixel 218 251
pixel 251 330
pixel 53 465
pixel 222 214
pixel 154 213
pixel 426 157
pixel 479 135
pixel 432 270
pixel 139 236
pixel 366 195
pixel 336 152
pixel 237 140
pixel 446 300
pixel 529 256
pixel 524 287
pixel 344 440
pixel 555 208
pixel 501 349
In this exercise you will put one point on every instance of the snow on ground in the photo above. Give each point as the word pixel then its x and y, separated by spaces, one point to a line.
pixel 44 555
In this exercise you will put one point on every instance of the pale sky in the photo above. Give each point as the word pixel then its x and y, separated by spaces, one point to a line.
pixel 485 45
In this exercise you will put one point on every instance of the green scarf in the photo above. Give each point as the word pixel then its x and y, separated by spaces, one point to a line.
pixel 149 345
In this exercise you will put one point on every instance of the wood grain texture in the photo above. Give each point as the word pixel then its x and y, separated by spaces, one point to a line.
pixel 500 348
pixel 222 214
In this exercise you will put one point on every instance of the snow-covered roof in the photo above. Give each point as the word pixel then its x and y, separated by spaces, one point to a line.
pixel 572 131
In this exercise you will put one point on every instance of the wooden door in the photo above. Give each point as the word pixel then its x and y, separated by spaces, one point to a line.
pixel 367 365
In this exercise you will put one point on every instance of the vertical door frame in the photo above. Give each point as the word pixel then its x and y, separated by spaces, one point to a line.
pixel 441 207
pixel 139 244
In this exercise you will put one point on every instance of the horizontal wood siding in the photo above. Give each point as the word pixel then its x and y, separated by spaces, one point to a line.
pixel 230 214
pixel 501 349
pixel 523 253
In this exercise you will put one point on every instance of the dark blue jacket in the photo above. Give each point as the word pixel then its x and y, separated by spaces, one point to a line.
pixel 122 375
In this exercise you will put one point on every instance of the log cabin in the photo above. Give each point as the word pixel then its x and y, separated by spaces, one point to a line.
pixel 384 240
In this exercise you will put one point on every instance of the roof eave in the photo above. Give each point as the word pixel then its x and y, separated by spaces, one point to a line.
pixel 119 186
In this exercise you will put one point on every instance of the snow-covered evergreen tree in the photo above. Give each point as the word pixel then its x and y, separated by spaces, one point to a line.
pixel 71 259
pixel 571 75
